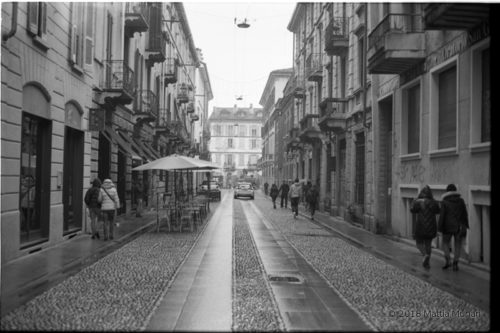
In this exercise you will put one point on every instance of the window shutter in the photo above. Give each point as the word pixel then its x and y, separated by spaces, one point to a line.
pixel 73 44
pixel 447 108
pixel 43 20
pixel 33 17
pixel 89 34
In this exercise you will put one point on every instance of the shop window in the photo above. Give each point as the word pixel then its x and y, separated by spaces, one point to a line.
pixel 443 118
pixel 480 113
pixel 411 120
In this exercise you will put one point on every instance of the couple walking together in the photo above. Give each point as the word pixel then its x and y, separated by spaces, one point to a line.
pixel 102 202
pixel 453 223
pixel 312 196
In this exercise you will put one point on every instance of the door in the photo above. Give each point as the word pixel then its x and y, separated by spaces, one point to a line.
pixel 386 152
pixel 34 191
pixel 72 180
pixel 121 182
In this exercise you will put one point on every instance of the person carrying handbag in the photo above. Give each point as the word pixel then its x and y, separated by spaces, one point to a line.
pixel 110 203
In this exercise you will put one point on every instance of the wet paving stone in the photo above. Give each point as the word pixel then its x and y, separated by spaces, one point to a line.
pixel 386 296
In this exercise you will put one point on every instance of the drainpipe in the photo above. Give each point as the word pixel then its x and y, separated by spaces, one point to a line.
pixel 365 50
pixel 13 28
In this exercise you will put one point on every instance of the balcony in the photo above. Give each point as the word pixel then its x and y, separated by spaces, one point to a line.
pixel 396 44
pixel 337 37
pixel 146 106
pixel 293 141
pixel 171 65
pixel 194 117
pixel 156 47
pixel 299 89
pixel 309 130
pixel 136 18
pixel 162 121
pixel 332 115
pixel 190 107
pixel 229 167
pixel 455 16
pixel 117 84
pixel 314 67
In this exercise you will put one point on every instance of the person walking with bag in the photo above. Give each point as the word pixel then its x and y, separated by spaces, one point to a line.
pixel 453 222
pixel 110 203
pixel 284 188
pixel 274 194
pixel 426 209
pixel 294 195
pixel 93 200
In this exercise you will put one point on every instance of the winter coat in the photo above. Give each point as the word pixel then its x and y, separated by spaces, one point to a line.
pixel 274 191
pixel 312 195
pixel 426 209
pixel 109 201
pixel 295 191
pixel 453 213
pixel 284 188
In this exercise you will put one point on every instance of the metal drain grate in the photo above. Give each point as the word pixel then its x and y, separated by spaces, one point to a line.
pixel 285 278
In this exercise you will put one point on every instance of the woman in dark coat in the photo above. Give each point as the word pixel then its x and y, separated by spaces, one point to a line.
pixel 274 194
pixel 426 209
pixel 453 222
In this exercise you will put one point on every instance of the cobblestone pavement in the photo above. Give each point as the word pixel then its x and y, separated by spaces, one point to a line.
pixel 254 308
pixel 385 295
pixel 117 292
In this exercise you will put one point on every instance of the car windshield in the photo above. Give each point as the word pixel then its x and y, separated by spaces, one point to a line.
pixel 245 186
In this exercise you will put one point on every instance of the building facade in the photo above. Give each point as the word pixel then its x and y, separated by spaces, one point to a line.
pixel 271 96
pixel 88 90
pixel 384 99
pixel 236 143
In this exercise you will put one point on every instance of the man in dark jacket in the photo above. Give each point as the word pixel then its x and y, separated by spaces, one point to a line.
pixel 284 188
pixel 426 209
pixel 93 199
pixel 453 222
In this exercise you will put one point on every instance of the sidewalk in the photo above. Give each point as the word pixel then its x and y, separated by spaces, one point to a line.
pixel 27 277
pixel 471 282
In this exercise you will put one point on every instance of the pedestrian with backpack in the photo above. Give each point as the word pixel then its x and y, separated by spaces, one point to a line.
pixel 93 200
pixel 110 203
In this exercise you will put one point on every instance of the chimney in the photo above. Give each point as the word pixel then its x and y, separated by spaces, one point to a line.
pixel 251 107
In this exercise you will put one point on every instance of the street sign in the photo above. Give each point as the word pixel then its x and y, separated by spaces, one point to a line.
pixel 96 119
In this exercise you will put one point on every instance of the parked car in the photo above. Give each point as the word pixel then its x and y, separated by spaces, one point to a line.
pixel 213 186
pixel 244 190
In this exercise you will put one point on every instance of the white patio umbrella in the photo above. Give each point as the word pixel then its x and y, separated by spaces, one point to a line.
pixel 174 163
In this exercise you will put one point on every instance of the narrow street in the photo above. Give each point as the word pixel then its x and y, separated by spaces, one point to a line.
pixel 302 277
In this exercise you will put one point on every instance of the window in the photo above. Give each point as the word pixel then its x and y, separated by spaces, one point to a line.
pixel 360 61
pixel 242 144
pixel 230 143
pixel 411 120
pixel 217 130
pixel 230 130
pixel 241 160
pixel 254 143
pixel 82 34
pixel 480 97
pixel 243 130
pixel 37 22
pixel 443 108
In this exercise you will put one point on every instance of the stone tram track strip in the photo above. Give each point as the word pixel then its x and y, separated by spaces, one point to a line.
pixel 18 318
pixel 408 323
pixel 242 255
pixel 369 324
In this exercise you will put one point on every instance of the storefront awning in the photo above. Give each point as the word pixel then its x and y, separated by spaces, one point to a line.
pixel 122 144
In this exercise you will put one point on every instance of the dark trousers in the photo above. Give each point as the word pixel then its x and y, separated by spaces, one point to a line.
pixel 424 245
pixel 274 201
pixel 294 201
pixel 109 221
pixel 285 199
pixel 312 207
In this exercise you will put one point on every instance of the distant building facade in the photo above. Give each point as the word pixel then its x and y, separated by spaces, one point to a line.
pixel 236 143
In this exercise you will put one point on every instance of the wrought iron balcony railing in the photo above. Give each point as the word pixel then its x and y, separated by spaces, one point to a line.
pixel 314 67
pixel 171 65
pixel 118 81
pixel 336 36
pixel 146 104
pixel 157 43
pixel 136 17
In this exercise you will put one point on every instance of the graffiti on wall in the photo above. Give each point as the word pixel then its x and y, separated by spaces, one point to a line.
pixel 411 173
pixel 440 172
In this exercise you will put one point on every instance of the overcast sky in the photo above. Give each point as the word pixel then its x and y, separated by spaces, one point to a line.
pixel 239 60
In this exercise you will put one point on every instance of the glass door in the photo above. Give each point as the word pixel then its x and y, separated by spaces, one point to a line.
pixel 73 180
